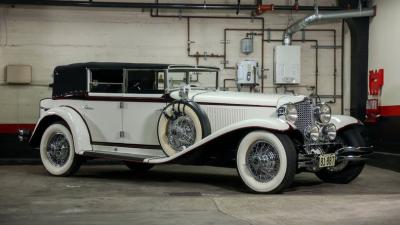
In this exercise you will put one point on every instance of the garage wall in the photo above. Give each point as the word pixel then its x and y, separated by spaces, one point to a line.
pixel 384 48
pixel 45 37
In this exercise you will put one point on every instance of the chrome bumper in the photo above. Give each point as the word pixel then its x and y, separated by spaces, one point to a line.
pixel 23 135
pixel 347 153
pixel 350 153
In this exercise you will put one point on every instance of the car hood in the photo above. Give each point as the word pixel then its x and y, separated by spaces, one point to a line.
pixel 239 98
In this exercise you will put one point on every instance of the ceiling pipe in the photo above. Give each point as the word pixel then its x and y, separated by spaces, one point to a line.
pixel 325 16
pixel 141 5
pixel 264 8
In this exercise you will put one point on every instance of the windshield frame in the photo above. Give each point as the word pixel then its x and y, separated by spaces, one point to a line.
pixel 187 70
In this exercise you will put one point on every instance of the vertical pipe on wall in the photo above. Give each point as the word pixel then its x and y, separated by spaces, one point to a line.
pixel 342 70
pixel 334 66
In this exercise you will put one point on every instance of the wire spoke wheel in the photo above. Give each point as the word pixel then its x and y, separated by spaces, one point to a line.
pixel 181 125
pixel 58 149
pixel 266 162
pixel 181 132
pixel 262 160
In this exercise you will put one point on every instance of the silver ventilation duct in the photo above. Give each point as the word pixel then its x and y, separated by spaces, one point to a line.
pixel 323 16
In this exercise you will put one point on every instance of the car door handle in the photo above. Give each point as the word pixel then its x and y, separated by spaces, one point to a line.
pixel 88 107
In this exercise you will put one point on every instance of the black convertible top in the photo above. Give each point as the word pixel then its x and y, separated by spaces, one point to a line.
pixel 71 80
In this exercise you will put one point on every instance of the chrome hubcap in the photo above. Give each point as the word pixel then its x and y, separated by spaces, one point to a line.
pixel 262 160
pixel 181 132
pixel 58 149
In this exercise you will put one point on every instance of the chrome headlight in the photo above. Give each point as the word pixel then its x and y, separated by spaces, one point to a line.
pixel 329 131
pixel 289 111
pixel 322 113
pixel 314 132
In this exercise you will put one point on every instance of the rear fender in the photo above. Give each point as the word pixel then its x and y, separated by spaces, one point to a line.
pixel 75 122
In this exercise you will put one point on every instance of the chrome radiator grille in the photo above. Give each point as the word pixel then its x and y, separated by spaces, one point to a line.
pixel 305 114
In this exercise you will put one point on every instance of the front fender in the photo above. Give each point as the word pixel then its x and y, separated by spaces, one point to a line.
pixel 342 121
pixel 74 120
pixel 272 124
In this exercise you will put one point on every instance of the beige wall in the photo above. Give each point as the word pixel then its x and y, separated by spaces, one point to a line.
pixel 384 47
pixel 45 37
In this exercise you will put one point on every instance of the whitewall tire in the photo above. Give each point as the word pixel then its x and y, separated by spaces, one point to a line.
pixel 266 162
pixel 57 151
pixel 181 124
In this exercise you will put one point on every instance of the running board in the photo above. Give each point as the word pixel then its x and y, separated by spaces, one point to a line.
pixel 119 156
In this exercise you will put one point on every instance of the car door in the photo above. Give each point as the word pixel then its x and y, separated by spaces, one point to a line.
pixel 142 107
pixel 102 110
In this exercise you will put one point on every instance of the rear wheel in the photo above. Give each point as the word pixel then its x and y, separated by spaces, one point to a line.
pixel 345 171
pixel 266 162
pixel 57 151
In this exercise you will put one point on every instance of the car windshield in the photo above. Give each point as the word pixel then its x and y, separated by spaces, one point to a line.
pixel 202 79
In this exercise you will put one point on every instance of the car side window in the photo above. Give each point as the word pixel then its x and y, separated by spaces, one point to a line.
pixel 106 81
pixel 145 81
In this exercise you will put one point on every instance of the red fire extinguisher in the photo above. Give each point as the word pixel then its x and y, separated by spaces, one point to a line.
pixel 376 78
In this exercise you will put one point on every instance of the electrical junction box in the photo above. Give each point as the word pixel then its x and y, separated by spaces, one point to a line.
pixel 287 64
pixel 18 74
pixel 247 72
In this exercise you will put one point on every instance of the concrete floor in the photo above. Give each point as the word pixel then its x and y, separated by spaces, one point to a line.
pixel 173 194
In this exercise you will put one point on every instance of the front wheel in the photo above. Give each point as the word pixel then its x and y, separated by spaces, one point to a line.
pixel 57 151
pixel 345 171
pixel 266 162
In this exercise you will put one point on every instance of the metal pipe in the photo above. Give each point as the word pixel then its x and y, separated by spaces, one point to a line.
pixel 325 16
pixel 140 5
pixel 224 55
pixel 156 5
pixel 334 67
pixel 189 42
pixel 342 69
pixel 280 40
pixel 197 55
pixel 228 79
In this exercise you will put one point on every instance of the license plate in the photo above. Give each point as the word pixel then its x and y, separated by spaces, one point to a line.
pixel 327 160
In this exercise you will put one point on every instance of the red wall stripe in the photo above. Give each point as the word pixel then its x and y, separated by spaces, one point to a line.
pixel 13 128
pixel 390 110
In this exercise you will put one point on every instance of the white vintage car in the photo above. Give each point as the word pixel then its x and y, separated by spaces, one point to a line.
pixel 148 114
